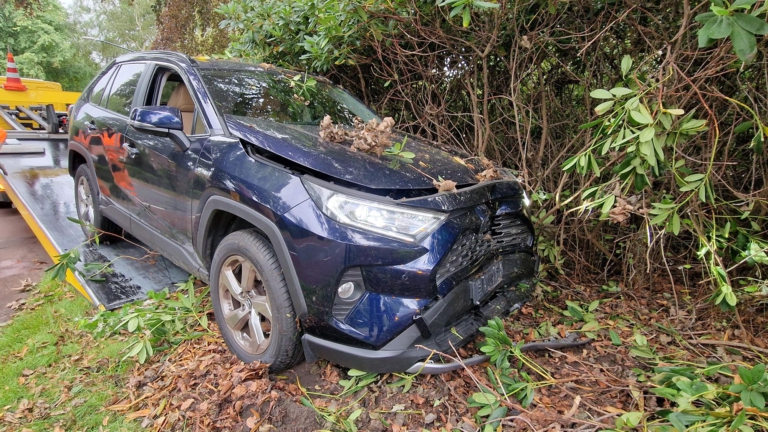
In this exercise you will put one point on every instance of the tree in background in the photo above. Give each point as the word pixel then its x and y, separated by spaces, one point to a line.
pixel 128 23
pixel 45 45
pixel 190 26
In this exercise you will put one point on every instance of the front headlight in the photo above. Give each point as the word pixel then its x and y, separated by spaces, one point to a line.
pixel 385 219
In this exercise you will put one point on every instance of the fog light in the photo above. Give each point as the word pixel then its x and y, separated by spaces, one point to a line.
pixel 346 290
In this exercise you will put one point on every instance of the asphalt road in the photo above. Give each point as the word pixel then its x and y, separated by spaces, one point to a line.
pixel 21 257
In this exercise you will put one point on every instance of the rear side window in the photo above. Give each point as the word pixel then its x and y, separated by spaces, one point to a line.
pixel 123 88
pixel 100 87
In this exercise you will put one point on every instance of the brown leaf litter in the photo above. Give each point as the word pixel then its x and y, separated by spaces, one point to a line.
pixel 371 137
pixel 202 386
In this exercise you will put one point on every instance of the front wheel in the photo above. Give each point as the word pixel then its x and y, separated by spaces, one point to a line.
pixel 251 302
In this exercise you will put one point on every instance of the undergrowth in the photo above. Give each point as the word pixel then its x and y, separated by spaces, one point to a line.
pixel 161 322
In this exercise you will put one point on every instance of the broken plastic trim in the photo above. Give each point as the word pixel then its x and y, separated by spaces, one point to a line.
pixel 432 368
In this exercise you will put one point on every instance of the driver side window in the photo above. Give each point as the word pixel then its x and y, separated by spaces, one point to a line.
pixel 168 89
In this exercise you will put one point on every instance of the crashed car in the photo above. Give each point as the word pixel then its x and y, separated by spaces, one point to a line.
pixel 369 254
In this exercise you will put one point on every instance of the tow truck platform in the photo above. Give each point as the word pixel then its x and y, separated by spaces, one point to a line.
pixel 39 185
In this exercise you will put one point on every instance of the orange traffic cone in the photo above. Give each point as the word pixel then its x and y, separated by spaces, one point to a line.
pixel 12 80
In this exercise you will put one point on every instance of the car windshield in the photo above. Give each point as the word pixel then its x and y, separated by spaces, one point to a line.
pixel 251 93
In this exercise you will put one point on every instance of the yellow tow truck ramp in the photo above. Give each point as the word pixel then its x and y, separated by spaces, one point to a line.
pixel 34 175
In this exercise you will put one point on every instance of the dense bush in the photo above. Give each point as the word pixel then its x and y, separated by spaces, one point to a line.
pixel 638 125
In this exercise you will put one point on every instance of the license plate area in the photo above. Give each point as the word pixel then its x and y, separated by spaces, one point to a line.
pixel 485 283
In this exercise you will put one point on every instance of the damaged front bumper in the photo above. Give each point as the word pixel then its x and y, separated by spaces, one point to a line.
pixel 499 288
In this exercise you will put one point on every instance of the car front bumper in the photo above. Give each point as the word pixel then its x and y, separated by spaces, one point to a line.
pixel 449 323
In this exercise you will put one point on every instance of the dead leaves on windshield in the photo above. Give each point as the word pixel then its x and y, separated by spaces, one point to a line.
pixel 372 137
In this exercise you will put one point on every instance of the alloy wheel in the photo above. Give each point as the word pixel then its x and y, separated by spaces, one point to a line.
pixel 245 304
pixel 84 200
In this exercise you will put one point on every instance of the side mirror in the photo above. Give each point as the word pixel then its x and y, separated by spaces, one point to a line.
pixel 161 121
pixel 160 117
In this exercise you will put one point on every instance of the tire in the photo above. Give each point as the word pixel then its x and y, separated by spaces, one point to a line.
pixel 260 296
pixel 87 205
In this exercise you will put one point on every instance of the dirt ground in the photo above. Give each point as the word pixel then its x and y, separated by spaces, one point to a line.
pixel 21 258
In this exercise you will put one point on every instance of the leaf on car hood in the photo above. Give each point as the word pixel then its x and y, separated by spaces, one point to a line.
pixel 445 185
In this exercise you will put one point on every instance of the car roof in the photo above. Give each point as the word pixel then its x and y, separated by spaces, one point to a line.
pixel 204 62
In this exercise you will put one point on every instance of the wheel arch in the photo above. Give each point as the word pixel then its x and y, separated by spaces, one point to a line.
pixel 77 156
pixel 217 207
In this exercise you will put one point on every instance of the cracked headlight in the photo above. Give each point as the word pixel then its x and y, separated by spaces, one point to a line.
pixel 386 219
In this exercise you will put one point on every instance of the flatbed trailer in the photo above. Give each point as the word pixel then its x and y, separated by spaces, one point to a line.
pixel 40 186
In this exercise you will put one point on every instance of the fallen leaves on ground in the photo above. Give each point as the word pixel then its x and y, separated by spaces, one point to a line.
pixel 202 386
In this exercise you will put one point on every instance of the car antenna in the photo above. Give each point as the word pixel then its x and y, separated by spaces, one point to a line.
pixel 106 42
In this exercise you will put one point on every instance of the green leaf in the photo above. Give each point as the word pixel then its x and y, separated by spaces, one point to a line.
pixel 743 4
pixel 615 339
pixel 722 28
pixel 744 44
pixel 704 32
pixel 746 397
pixel 757 372
pixel 640 117
pixel 591 124
pixel 355 414
pixel 758 400
pixel 676 111
pixel 693 124
pixel 626 65
pixel 356 373
pixel 632 419
pixel 743 127
pixel 484 398
pixel 133 323
pixel 466 17
pixel 680 420
pixel 134 350
pixel 77 221
pixel 704 39
pixel 621 91
pixel 739 420
pixel 601 94
pixel 751 23
pixel 704 17
pixel 607 206
pixel 694 178
pixel 594 305
pixel 603 107
pixel 485 4
pixel 647 134
pixel 675 223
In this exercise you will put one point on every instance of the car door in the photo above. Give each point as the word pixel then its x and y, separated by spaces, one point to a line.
pixel 162 172
pixel 104 125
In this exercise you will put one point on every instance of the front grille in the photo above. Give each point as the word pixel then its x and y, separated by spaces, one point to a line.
pixel 506 233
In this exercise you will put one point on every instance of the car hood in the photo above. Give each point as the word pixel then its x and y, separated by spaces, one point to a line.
pixel 302 145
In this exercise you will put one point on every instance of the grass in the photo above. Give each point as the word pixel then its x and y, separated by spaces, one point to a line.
pixel 66 376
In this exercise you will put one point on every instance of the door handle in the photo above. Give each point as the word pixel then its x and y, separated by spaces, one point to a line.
pixel 130 149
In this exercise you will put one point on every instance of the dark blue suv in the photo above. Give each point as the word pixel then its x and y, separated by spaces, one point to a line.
pixel 311 249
